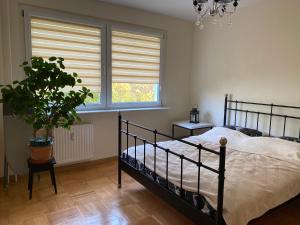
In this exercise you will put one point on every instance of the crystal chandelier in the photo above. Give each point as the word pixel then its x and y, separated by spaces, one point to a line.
pixel 219 8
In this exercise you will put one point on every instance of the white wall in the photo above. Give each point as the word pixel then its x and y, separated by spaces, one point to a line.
pixel 257 59
pixel 176 96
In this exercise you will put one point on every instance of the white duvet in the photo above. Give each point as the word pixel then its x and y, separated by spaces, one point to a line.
pixel 261 172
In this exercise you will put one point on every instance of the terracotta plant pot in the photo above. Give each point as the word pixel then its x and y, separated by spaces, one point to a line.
pixel 41 154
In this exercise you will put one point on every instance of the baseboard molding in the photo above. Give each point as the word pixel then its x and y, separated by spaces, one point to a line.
pixel 72 166
pixel 12 179
pixel 85 164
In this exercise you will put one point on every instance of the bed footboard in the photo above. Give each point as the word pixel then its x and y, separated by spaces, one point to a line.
pixel 177 201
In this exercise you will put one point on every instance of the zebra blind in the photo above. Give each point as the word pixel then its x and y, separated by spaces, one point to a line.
pixel 79 45
pixel 135 58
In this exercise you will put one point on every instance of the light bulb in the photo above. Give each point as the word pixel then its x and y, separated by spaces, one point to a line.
pixel 230 19
pixel 221 23
pixel 215 20
pixel 201 26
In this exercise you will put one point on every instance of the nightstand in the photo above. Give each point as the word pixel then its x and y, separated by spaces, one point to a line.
pixel 190 126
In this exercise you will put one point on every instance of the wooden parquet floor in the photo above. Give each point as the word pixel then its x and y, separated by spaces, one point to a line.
pixel 88 195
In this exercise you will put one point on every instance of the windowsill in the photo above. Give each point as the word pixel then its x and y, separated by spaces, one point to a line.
pixel 122 110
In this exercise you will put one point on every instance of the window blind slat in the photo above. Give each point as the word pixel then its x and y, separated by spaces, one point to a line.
pixel 85 72
pixel 71 68
pixel 133 80
pixel 135 43
pixel 134 70
pixel 79 45
pixel 135 73
pixel 135 36
pixel 64 37
pixel 65 26
pixel 48 38
pixel 135 51
pixel 64 54
pixel 67 30
pixel 120 60
pixel 135 65
pixel 65 46
pixel 135 58
pixel 94 89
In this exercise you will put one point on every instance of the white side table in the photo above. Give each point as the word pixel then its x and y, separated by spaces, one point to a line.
pixel 190 126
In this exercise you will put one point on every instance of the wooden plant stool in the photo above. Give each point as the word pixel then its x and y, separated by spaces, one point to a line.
pixel 36 168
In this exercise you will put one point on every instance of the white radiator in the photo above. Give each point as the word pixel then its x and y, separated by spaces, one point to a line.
pixel 74 145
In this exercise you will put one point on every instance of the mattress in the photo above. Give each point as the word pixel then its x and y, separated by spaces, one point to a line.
pixel 261 172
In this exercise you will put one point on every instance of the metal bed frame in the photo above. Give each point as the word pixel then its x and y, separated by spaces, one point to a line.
pixel 163 191
pixel 271 114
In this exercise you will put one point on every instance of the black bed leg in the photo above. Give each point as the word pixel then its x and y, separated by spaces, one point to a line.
pixel 119 176
pixel 119 150
pixel 225 110
pixel 219 219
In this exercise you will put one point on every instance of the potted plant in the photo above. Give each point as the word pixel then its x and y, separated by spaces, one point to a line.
pixel 45 99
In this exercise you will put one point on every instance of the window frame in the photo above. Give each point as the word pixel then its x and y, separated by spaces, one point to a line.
pixel 106 27
pixel 135 30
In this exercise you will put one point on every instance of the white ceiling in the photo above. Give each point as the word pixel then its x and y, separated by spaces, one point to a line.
pixel 178 8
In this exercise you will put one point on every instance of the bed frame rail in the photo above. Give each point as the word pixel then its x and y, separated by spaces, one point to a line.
pixel 177 201
pixel 258 113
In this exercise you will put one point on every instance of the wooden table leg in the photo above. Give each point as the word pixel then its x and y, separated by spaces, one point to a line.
pixel 30 183
pixel 173 130
pixel 28 188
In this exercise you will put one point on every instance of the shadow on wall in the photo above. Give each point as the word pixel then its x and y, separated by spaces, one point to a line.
pixel 207 117
pixel 17 135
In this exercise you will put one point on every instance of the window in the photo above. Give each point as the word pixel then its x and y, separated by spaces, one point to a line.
pixel 121 64
pixel 79 45
pixel 135 67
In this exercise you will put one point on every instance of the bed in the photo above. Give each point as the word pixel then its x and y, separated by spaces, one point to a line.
pixel 261 172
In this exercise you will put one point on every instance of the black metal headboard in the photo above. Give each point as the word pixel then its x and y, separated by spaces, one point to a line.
pixel 235 108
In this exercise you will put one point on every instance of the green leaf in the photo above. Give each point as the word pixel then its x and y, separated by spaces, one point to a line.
pixel 53 58
pixel 61 65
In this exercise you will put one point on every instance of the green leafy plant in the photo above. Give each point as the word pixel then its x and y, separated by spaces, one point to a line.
pixel 45 98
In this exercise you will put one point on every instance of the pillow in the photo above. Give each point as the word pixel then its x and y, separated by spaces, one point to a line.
pixel 247 131
pixel 230 127
pixel 250 132
pixel 214 135
pixel 291 139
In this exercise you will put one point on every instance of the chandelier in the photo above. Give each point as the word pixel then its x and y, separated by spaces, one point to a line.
pixel 218 8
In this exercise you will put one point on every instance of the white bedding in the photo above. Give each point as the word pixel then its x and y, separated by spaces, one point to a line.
pixel 261 173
